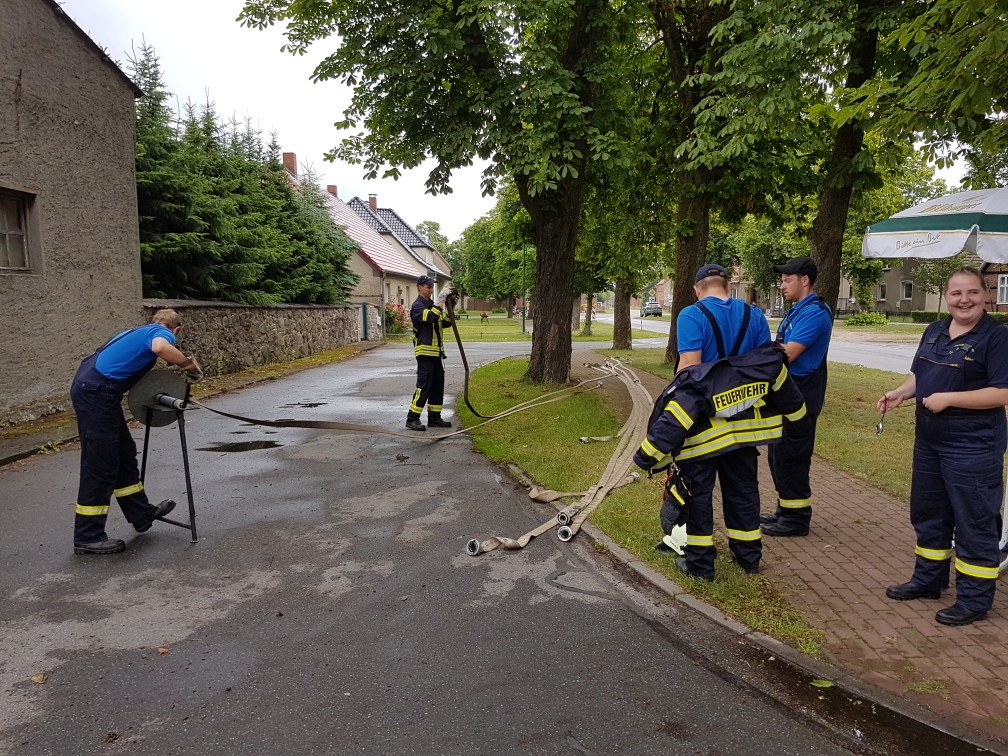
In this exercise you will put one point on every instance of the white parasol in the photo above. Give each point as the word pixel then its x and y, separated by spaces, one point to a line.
pixel 976 221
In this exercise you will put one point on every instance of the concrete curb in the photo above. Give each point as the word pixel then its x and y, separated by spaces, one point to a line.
pixel 814 667
pixel 31 448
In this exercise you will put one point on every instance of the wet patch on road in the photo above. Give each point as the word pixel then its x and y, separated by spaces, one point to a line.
pixel 507 569
pixel 241 446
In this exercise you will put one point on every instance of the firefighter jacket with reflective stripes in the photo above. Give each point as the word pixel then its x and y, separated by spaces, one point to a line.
pixel 428 318
pixel 714 407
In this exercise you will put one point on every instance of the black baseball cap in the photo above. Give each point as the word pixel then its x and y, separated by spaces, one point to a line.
pixel 424 281
pixel 710 270
pixel 800 266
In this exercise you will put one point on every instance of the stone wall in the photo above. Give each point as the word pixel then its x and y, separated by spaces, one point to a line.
pixel 228 338
pixel 66 150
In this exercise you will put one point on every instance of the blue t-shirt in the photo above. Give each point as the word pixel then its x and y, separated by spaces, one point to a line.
pixel 811 325
pixel 694 332
pixel 129 352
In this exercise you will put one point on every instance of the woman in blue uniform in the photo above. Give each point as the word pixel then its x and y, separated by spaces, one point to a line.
pixel 960 379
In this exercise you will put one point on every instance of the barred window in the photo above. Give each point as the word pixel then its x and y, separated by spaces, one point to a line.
pixel 1002 290
pixel 13 232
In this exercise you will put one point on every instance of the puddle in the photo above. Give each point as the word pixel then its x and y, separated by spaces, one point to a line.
pixel 240 446
pixel 306 404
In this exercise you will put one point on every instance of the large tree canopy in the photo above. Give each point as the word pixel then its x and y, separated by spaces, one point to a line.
pixel 532 86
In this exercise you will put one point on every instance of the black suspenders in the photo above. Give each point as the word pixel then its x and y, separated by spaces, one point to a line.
pixel 719 339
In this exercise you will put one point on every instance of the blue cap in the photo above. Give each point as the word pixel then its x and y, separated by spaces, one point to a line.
pixel 425 281
pixel 710 270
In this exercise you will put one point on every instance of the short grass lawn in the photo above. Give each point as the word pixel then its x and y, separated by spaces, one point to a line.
pixel 845 433
pixel 544 442
pixel 892 327
pixel 503 328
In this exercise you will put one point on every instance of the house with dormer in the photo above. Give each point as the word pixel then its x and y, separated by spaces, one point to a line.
pixel 403 237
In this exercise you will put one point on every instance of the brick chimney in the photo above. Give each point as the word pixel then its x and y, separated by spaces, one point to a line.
pixel 332 190
pixel 372 200
pixel 290 163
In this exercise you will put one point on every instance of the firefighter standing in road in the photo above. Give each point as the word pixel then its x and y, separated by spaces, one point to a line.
pixel 805 335
pixel 428 318
pixel 719 326
pixel 108 452
pixel 960 379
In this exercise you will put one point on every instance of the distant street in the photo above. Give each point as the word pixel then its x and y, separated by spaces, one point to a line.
pixel 895 357
pixel 329 606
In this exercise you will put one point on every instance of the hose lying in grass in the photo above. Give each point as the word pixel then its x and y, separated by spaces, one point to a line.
pixel 616 474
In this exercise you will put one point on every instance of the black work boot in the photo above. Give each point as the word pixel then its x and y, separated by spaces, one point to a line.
pixel 111 546
pixel 957 614
pixel 781 528
pixel 437 422
pixel 160 510
pixel 766 518
pixel 909 592
pixel 415 425
pixel 680 564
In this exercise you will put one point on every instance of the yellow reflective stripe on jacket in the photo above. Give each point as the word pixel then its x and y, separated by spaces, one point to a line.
pixel 794 503
pixel 427 350
pixel 750 437
pixel 720 426
pixel 128 490
pixel 973 570
pixel 938 555
pixel 781 377
pixel 679 414
pixel 798 414
pixel 87 511
pixel 650 449
pixel 699 540
pixel 744 535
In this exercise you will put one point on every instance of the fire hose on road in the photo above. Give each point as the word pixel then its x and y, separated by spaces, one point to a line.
pixel 617 473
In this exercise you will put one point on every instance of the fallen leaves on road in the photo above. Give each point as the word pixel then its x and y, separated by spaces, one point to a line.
pixel 162 651
pixel 39 679
pixel 402 457
pixel 112 737
pixel 822 683
pixel 279 614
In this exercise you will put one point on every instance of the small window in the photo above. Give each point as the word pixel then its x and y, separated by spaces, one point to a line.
pixel 882 292
pixel 907 290
pixel 14 232
pixel 1002 289
pixel 734 292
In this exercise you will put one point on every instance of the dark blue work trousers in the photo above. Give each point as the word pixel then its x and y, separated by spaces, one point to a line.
pixel 956 492
pixel 737 472
pixel 108 456
pixel 790 463
pixel 429 388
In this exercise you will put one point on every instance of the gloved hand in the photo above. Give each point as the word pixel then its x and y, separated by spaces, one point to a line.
pixel 443 295
pixel 193 372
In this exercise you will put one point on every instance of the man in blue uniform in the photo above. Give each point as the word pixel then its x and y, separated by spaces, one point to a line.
pixel 718 326
pixel 108 452
pixel 960 381
pixel 428 347
pixel 805 335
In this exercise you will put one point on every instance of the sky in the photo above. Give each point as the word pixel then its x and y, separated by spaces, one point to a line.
pixel 203 50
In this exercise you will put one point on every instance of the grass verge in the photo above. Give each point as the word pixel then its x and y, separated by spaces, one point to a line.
pixel 845 433
pixel 502 328
pixel 545 443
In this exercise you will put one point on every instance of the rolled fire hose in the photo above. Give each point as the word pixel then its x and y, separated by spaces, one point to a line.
pixel 616 474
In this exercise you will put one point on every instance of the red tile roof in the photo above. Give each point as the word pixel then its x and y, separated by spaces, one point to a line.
pixel 378 252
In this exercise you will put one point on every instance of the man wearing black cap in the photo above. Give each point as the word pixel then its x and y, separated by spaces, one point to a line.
pixel 718 326
pixel 428 346
pixel 805 335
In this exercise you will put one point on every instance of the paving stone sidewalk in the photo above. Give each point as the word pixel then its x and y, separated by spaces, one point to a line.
pixel 861 541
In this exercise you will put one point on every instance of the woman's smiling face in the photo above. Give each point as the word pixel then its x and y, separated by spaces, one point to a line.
pixel 965 297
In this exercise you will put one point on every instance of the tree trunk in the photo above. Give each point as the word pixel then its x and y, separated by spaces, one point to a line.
pixel 834 200
pixel 510 305
pixel 693 220
pixel 555 216
pixel 589 297
pixel 622 333
pixel 576 314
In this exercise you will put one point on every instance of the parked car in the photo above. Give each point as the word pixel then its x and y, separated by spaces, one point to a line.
pixel 651 308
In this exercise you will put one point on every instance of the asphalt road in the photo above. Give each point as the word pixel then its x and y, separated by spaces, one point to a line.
pixel 329 607
pixel 895 357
